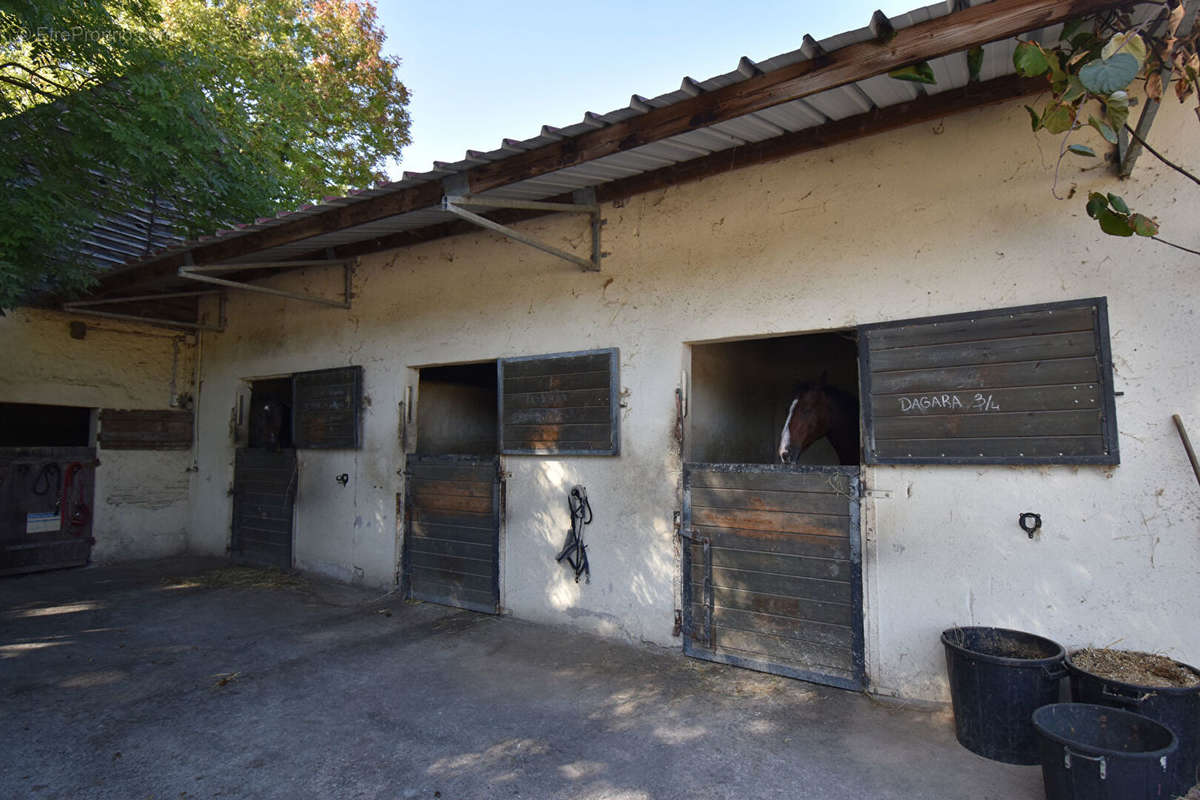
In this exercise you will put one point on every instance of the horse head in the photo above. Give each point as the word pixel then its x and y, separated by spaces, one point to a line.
pixel 809 419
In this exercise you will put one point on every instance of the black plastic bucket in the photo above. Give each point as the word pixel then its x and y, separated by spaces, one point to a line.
pixel 1177 708
pixel 1091 752
pixel 998 678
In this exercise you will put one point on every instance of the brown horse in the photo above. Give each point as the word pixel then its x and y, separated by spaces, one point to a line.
pixel 820 411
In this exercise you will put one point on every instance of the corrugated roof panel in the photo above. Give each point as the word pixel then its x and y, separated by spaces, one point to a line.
pixel 884 91
pixel 839 103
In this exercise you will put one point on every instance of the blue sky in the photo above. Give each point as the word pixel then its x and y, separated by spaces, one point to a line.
pixel 480 72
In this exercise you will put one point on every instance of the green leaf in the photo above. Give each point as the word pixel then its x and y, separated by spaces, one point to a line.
pixel 1103 129
pixel 1058 118
pixel 1143 225
pixel 975 62
pixel 1109 75
pixel 917 73
pixel 1116 108
pixel 1114 224
pixel 1072 27
pixel 1129 42
pixel 1074 90
pixel 1082 150
pixel 1118 203
pixel 1030 60
pixel 1096 204
pixel 1034 117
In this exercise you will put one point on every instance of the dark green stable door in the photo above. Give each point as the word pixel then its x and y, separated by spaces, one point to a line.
pixel 453 510
pixel 772 576
pixel 264 493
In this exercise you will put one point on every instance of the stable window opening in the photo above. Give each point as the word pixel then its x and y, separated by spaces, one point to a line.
pixel 35 425
pixel 787 399
pixel 457 410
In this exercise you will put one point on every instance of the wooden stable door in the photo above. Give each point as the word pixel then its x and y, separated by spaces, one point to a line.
pixel 264 493
pixel 453 510
pixel 772 576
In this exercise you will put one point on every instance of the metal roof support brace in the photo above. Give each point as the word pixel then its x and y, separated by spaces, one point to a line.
pixel 586 204
pixel 194 273
pixel 1128 148
pixel 86 307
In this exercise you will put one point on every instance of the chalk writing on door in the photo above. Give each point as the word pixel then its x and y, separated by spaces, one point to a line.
pixel 924 403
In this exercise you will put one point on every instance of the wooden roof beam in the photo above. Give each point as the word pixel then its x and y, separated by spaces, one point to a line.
pixel 955 32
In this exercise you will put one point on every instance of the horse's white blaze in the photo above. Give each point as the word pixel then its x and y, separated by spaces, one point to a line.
pixel 785 439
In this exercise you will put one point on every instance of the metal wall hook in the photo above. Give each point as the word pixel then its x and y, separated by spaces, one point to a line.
pixel 1030 522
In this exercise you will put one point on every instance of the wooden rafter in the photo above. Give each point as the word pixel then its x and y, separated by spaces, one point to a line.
pixel 938 37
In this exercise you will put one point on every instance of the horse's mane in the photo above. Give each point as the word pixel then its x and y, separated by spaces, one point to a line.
pixel 846 401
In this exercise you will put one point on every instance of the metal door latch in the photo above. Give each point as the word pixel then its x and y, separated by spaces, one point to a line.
pixel 343 479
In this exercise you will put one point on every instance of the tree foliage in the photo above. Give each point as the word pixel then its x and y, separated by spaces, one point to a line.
pixel 221 110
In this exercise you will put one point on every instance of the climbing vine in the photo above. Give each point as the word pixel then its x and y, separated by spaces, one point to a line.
pixel 1090 70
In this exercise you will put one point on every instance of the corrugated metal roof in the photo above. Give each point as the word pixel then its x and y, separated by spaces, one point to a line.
pixel 835 104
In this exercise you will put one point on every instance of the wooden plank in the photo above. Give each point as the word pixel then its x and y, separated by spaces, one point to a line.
pixel 768 583
pixel 773 542
pixel 454 519
pixel 142 429
pixel 597 362
pixel 1026 373
pixel 816 611
pixel 991 351
pixel 559 382
pixel 444 594
pixel 552 433
pixel 810 502
pixel 430 501
pixel 777 521
pixel 572 398
pixel 484 551
pixel 789 627
pixel 768 480
pixel 460 473
pixel 432 530
pixel 479 583
pixel 800 566
pixel 1033 398
pixel 985 326
pixel 1036 447
pixel 439 487
pixel 557 416
pixel 792 651
pixel 457 565
pixel 996 425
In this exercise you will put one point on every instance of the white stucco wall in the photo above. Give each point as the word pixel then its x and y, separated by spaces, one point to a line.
pixel 141 507
pixel 927 220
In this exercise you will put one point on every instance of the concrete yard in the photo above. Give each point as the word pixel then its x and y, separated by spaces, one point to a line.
pixel 134 682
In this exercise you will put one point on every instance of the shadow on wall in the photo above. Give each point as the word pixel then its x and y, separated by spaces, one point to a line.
pixel 623 546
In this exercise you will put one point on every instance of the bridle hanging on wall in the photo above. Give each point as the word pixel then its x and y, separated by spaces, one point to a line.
pixel 575 551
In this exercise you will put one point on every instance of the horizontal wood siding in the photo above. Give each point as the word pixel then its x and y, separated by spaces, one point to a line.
pixel 1030 384
pixel 327 409
pixel 167 429
pixel 772 569
pixel 451 553
pixel 264 491
pixel 561 403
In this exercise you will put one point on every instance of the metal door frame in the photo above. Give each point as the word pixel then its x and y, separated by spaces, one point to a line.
pixel 859 680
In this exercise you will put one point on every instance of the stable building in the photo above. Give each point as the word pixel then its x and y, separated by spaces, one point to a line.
pixel 400 387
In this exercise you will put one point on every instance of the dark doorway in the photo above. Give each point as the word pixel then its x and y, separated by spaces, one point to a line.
pixel 264 479
pixel 457 410
pixel 271 414
pixel 742 391
pixel 454 503
pixel 35 425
